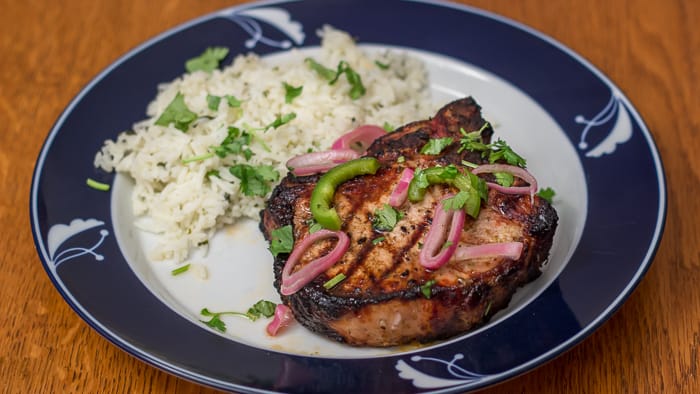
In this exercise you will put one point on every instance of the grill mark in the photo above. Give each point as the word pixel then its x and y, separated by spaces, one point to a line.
pixel 398 257
pixel 360 257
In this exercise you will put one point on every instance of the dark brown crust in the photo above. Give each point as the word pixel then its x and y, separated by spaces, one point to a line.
pixel 380 303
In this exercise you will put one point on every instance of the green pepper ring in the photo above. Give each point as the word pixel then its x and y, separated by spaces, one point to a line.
pixel 323 193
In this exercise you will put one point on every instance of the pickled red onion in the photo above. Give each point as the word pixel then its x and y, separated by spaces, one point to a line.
pixel 514 170
pixel 283 316
pixel 511 250
pixel 315 162
pixel 441 241
pixel 400 192
pixel 359 139
pixel 293 282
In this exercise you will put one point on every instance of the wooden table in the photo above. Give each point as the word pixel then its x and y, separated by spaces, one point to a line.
pixel 650 49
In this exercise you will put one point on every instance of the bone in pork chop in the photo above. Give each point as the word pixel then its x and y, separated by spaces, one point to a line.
pixel 387 297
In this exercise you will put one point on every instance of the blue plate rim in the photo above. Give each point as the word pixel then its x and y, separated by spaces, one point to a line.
pixel 582 334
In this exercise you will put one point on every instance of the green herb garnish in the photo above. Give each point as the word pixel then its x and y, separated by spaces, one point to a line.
pixel 426 288
pixel 400 159
pixel 547 193
pixel 504 179
pixel 255 180
pixel 279 121
pixel 261 308
pixel 383 66
pixel 177 113
pixel 103 187
pixel 357 89
pixel 385 218
pixel 234 143
pixel 208 60
pixel 331 283
pixel 501 150
pixel 213 102
pixel 179 270
pixel 322 71
pixel 378 240
pixel 281 240
pixel 388 127
pixel 436 145
pixel 291 92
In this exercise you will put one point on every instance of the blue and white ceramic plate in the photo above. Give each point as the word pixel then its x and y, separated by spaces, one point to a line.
pixel 580 134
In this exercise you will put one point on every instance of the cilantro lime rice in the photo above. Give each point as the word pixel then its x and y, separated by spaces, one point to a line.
pixel 217 138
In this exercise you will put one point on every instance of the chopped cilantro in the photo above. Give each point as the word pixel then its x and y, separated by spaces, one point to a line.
pixel 255 180
pixel 383 66
pixel 426 288
pixel 547 193
pixel 213 173
pixel 314 227
pixel 388 127
pixel 472 140
pixel 103 187
pixel 177 113
pixel 357 89
pixel 232 101
pixel 291 92
pixel 501 151
pixel 436 145
pixel 234 143
pixel 469 164
pixel 331 283
pixel 281 240
pixel 259 309
pixel 279 121
pixel 208 60
pixel 378 240
pixel 213 102
pixel 400 159
pixel 455 202
pixel 322 71
pixel 179 270
pixel 504 179
pixel 446 245
pixel 386 218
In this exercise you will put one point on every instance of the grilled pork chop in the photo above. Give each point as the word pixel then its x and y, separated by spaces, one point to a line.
pixel 383 300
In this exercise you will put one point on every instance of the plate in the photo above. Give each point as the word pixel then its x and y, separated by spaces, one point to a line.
pixel 581 134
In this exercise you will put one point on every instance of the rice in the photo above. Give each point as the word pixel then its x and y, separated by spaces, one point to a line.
pixel 183 202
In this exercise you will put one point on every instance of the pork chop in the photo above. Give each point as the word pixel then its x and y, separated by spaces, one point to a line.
pixel 387 297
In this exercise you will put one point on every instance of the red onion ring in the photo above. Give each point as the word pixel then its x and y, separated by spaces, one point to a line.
pixel 283 317
pixel 514 170
pixel 293 282
pixel 315 162
pixel 512 250
pixel 434 254
pixel 400 192
pixel 362 136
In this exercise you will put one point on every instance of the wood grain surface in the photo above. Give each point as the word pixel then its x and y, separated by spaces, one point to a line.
pixel 49 50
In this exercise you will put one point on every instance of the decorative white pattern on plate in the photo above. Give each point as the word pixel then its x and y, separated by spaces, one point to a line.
pixel 277 17
pixel 620 133
pixel 425 381
pixel 60 233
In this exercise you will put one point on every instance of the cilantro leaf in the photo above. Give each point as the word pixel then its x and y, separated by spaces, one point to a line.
pixel 426 288
pixel 385 218
pixel 331 283
pixel 501 150
pixel 281 240
pixel 547 193
pixel 436 145
pixel 261 308
pixel 455 202
pixel 280 120
pixel 388 127
pixel 213 102
pixel 177 113
pixel 255 180
pixel 232 101
pixel 505 179
pixel 378 240
pixel 233 144
pixel 291 92
pixel 322 71
pixel 208 60
pixel 383 66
